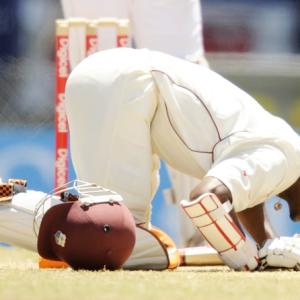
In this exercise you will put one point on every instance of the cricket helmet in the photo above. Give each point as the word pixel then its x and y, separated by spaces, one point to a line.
pixel 90 229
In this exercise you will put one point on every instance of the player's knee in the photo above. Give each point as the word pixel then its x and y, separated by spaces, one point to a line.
pixel 211 185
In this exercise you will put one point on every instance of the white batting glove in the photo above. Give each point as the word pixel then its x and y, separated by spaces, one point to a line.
pixel 283 252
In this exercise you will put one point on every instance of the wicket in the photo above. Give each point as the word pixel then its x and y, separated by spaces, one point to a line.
pixel 94 33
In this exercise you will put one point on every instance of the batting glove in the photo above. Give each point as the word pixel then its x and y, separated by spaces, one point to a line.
pixel 283 252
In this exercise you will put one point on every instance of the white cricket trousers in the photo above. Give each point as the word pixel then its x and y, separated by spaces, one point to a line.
pixel 110 112
pixel 173 27
pixel 117 119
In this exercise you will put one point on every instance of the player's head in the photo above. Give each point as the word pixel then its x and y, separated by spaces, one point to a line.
pixel 87 234
pixel 292 196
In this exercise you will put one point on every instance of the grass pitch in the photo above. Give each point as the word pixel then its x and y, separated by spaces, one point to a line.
pixel 20 278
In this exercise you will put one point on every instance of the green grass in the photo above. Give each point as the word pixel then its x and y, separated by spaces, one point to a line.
pixel 20 278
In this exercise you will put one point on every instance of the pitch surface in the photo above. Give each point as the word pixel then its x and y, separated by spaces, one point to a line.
pixel 20 278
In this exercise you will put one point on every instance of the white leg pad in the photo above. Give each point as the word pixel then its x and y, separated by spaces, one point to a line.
pixel 148 253
pixel 221 232
pixel 17 219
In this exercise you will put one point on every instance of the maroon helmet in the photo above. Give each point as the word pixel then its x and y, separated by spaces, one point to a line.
pixel 93 232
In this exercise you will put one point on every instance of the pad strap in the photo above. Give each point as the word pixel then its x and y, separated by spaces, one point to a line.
pixel 10 188
pixel 167 244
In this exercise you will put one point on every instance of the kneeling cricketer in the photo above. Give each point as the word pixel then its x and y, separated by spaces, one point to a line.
pixel 129 108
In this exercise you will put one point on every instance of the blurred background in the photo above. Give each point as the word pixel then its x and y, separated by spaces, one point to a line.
pixel 256 44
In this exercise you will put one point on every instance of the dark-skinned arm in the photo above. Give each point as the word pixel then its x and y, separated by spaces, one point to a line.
pixel 253 220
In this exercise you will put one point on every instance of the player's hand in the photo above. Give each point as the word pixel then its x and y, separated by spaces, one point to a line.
pixel 283 252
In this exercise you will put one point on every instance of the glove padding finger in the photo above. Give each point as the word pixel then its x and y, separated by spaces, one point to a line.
pixel 283 252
